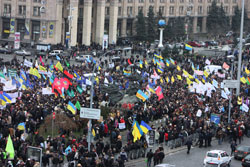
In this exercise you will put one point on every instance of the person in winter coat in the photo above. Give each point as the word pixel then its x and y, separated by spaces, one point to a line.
pixel 166 138
pixel 189 144
pixel 157 136
pixel 150 155
pixel 233 147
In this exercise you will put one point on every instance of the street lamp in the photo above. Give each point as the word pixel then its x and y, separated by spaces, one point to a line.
pixel 240 54
pixel 161 23
pixel 231 89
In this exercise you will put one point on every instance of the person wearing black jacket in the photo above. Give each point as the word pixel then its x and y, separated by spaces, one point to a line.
pixel 189 144
pixel 150 155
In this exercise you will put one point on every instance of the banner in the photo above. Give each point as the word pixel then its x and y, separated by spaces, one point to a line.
pixel 27 27
pixel 151 139
pixel 17 40
pixel 27 63
pixel 215 118
pixel 122 126
pixel 245 107
pixel 8 86
pixel 47 91
pixel 12 26
pixel 51 29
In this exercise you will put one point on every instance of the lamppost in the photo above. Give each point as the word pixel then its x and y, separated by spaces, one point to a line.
pixel 231 89
pixel 189 9
pixel 240 46
pixel 161 23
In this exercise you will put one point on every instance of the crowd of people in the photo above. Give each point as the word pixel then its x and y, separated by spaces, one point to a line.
pixel 179 107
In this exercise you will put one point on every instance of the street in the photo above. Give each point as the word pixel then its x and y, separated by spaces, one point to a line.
pixel 196 156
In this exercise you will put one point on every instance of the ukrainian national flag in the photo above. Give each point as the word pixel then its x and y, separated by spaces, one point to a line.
pixel 7 97
pixel 137 131
pixel 21 126
pixel 71 107
pixel 141 95
pixel 3 98
pixel 172 61
pixel 193 66
pixel 167 62
pixel 188 47
pixel 204 79
pixel 158 56
pixel 151 89
pixel 141 64
pixel 160 70
pixel 145 127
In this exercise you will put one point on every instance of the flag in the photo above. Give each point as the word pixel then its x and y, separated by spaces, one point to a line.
pixel 41 60
pixel 188 47
pixel 243 80
pixel 178 68
pixel 167 79
pixel 71 108
pixel 206 73
pixel 204 79
pixel 146 63
pixel 145 127
pixel 68 74
pixel 247 71
pixel 21 126
pixel 76 75
pixel 125 72
pixel 167 62
pixel 151 89
pixel 158 56
pixel 58 58
pixel 93 132
pixel 3 98
pixel 7 97
pixel 193 66
pixel 10 148
pixel 127 84
pixel 78 105
pixel 225 66
pixel 159 93
pixel 137 131
pixel 2 75
pixel 172 61
pixel 248 81
pixel 189 82
pixel 79 89
pixel 224 95
pixel 67 63
pixel 98 68
pixel 179 77
pixel 129 62
pixel 172 79
pixel 141 95
pixel 160 70
pixel 59 66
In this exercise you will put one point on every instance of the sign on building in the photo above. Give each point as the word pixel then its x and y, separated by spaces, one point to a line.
pixel 90 113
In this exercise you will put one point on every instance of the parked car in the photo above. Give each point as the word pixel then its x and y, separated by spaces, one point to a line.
pixel 203 44
pixel 246 161
pixel 241 152
pixel 179 45
pixel 5 51
pixel 217 158
pixel 55 53
pixel 211 43
pixel 23 53
pixel 41 53
pixel 229 33
pixel 82 57
pixel 194 44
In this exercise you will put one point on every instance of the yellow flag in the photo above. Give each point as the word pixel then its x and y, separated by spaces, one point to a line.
pixel 167 79
pixel 97 80
pixel 31 71
pixel 172 79
pixel 36 73
pixel 239 101
pixel 190 76
pixel 179 77
pixel 243 80
pixel 247 71
pixel 146 63
pixel 167 64
pixel 206 74
pixel 59 66
pixel 93 132
pixel 196 80
pixel 178 68
pixel 161 80
pixel 189 81
pixel 185 72
pixel 41 68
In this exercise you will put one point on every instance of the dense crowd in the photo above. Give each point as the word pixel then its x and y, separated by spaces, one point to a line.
pixel 179 108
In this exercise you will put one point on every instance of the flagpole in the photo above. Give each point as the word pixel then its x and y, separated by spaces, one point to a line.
pixel 91 105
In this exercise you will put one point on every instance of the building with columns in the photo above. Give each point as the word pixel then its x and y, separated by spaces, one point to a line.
pixel 86 21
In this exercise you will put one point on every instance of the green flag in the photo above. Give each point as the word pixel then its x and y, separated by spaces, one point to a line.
pixel 248 83
pixel 72 93
pixel 67 63
pixel 2 75
pixel 10 149
pixel 78 105
pixel 79 89
pixel 68 93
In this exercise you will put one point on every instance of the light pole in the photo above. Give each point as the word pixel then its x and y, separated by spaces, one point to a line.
pixel 240 54
pixel 231 91
pixel 161 23
pixel 91 105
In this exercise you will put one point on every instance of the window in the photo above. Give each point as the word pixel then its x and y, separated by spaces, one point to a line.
pixel 181 1
pixel 80 2
pixel 191 1
pixel 151 1
pixel 151 7
pixel 181 10
pixel 200 10
pixel 208 9
pixel 107 11
pixel 22 10
pixel 225 1
pixel 130 1
pixel 233 9
pixel 162 1
pixel 200 1
pixel 107 1
pixel 140 8
pixel 80 12
pixel 209 1
pixel 7 8
pixel 171 1
pixel 161 9
pixel 119 11
pixel 141 1
pixel 130 10
pixel 234 1
pixel 37 1
pixel 171 10
pixel 120 1
pixel 36 11
pixel 22 0
pixel 226 9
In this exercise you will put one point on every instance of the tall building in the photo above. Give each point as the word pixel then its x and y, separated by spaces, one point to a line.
pixel 86 21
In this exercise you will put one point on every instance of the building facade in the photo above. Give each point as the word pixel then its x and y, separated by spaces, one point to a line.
pixel 86 21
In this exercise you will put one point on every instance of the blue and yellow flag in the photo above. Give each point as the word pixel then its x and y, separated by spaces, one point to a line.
pixel 145 127
pixel 71 108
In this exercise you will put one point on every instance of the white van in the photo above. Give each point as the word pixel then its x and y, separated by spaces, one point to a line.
pixel 213 68
pixel 55 53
